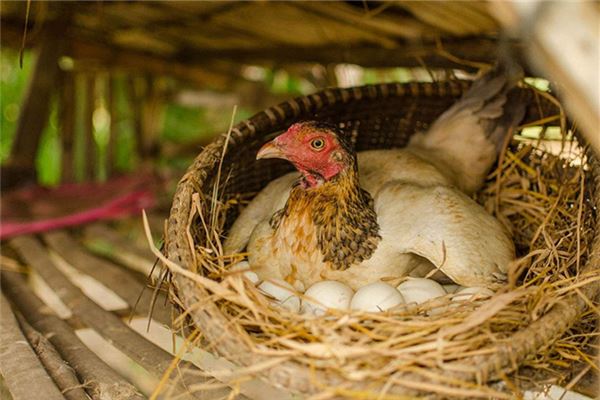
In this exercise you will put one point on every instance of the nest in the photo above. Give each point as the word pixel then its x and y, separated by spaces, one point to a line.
pixel 543 319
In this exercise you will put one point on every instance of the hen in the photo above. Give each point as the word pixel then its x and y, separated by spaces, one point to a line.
pixel 384 213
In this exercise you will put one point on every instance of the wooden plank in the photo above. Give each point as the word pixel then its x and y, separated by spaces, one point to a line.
pixel 19 365
pixel 110 275
pixel 35 109
pixel 149 356
pixel 101 381
pixel 62 374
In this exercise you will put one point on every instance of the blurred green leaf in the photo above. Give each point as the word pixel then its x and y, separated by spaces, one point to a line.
pixel 49 156
pixel 13 82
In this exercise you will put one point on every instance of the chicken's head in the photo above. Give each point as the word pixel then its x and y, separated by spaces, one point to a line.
pixel 317 149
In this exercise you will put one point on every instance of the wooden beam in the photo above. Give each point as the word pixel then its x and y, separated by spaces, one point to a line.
pixel 36 106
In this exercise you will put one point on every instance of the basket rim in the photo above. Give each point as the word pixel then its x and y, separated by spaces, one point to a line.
pixel 507 355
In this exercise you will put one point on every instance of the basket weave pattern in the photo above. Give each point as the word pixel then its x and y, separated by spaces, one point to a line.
pixel 379 116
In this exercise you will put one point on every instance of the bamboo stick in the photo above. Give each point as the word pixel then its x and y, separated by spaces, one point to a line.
pixel 62 374
pixel 19 365
pixel 100 380
pixel 125 285
pixel 149 356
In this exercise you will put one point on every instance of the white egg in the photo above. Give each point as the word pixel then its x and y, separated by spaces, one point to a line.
pixel 419 290
pixel 452 288
pixel 471 293
pixel 324 295
pixel 282 292
pixel 245 266
pixel 377 296
pixel 299 286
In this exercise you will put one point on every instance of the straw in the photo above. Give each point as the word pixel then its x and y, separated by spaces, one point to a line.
pixel 547 203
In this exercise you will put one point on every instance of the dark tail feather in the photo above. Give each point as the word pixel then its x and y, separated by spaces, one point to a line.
pixel 466 139
pixel 514 111
pixel 504 105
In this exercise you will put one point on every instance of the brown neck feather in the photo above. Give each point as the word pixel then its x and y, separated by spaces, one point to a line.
pixel 343 215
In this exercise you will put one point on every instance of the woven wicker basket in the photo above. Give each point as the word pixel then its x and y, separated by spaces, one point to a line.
pixel 379 116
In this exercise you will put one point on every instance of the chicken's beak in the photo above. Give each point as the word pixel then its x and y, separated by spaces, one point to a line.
pixel 270 149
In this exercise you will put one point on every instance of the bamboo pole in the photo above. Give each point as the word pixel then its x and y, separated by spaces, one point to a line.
pixel 22 370
pixel 149 356
pixel 120 281
pixel 101 382
pixel 62 374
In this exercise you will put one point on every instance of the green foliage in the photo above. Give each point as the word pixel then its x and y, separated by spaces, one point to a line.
pixel 539 83
pixel 49 156
pixel 187 124
pixel 13 81
pixel 184 124
pixel 373 75
pixel 281 82
pixel 124 127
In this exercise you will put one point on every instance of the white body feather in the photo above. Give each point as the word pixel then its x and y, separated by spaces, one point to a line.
pixel 426 220
pixel 419 214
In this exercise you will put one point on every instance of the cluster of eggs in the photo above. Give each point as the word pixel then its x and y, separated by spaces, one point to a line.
pixel 374 297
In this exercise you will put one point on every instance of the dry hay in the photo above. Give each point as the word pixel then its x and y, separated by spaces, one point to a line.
pixel 548 203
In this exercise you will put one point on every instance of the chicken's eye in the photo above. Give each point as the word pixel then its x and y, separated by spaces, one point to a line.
pixel 317 144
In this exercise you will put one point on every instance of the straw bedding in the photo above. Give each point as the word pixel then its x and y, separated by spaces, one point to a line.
pixel 543 320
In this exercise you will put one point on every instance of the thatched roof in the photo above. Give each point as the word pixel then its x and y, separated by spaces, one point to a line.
pixel 200 41
pixel 194 33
